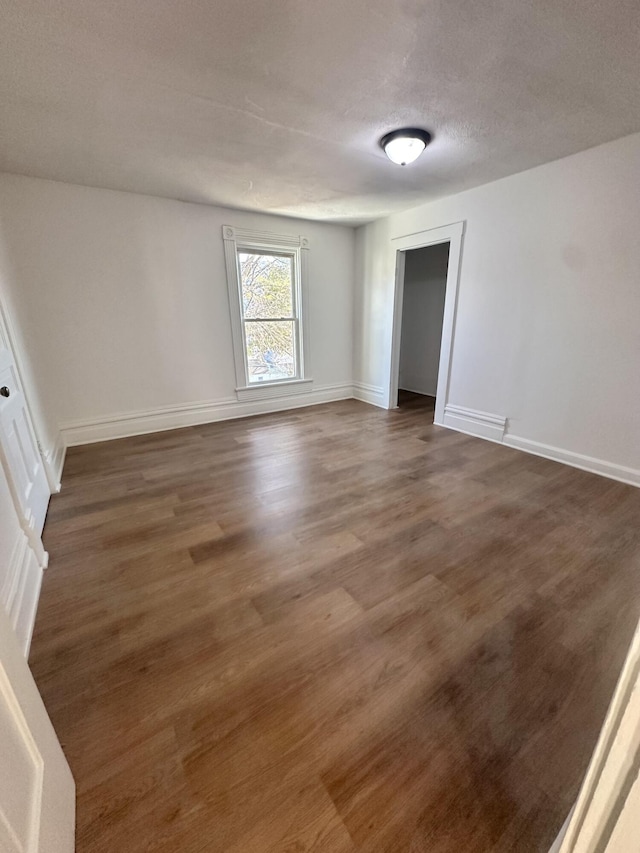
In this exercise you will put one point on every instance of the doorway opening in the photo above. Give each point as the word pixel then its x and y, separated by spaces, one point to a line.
pixel 452 236
pixel 424 290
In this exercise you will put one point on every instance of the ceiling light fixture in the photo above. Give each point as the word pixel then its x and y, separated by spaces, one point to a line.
pixel 405 145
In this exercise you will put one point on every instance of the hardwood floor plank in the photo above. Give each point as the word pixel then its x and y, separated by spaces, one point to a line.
pixel 334 629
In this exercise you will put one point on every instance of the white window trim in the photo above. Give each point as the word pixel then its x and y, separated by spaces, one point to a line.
pixel 239 238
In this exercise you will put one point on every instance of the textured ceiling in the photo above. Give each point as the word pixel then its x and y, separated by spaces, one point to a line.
pixel 277 105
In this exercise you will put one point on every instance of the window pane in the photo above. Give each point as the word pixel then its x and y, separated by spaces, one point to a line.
pixel 267 285
pixel 270 350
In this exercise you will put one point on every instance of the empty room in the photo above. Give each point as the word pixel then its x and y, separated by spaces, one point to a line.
pixel 319 427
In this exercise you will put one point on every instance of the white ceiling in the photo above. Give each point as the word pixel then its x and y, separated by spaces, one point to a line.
pixel 277 105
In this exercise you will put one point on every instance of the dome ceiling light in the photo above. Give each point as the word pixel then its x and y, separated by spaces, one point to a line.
pixel 405 145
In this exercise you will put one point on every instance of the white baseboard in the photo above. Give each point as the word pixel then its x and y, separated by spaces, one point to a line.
pixel 494 428
pixel 21 591
pixel 469 421
pixel 372 394
pixel 576 460
pixel 174 417
pixel 473 422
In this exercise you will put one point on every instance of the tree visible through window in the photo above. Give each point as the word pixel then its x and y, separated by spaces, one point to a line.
pixel 268 280
pixel 269 315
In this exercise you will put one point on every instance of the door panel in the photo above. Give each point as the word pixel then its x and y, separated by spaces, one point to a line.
pixel 37 803
pixel 18 448
pixel 37 792
pixel 23 765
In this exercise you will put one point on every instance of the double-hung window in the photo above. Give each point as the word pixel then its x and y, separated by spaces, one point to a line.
pixel 266 277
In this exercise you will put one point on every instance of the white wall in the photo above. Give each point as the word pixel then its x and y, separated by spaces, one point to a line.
pixel 425 280
pixel 122 302
pixel 548 320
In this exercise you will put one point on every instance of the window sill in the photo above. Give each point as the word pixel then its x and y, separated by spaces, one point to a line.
pixel 267 390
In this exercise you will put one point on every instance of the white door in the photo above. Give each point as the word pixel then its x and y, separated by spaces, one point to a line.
pixel 606 816
pixel 37 792
pixel 21 458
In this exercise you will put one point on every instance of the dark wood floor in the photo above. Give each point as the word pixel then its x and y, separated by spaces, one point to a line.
pixel 334 629
pixel 410 400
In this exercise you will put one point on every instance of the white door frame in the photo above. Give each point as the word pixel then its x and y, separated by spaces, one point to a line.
pixel 452 234
pixel 37 791
pixel 605 816
pixel 10 334
pixel 31 525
